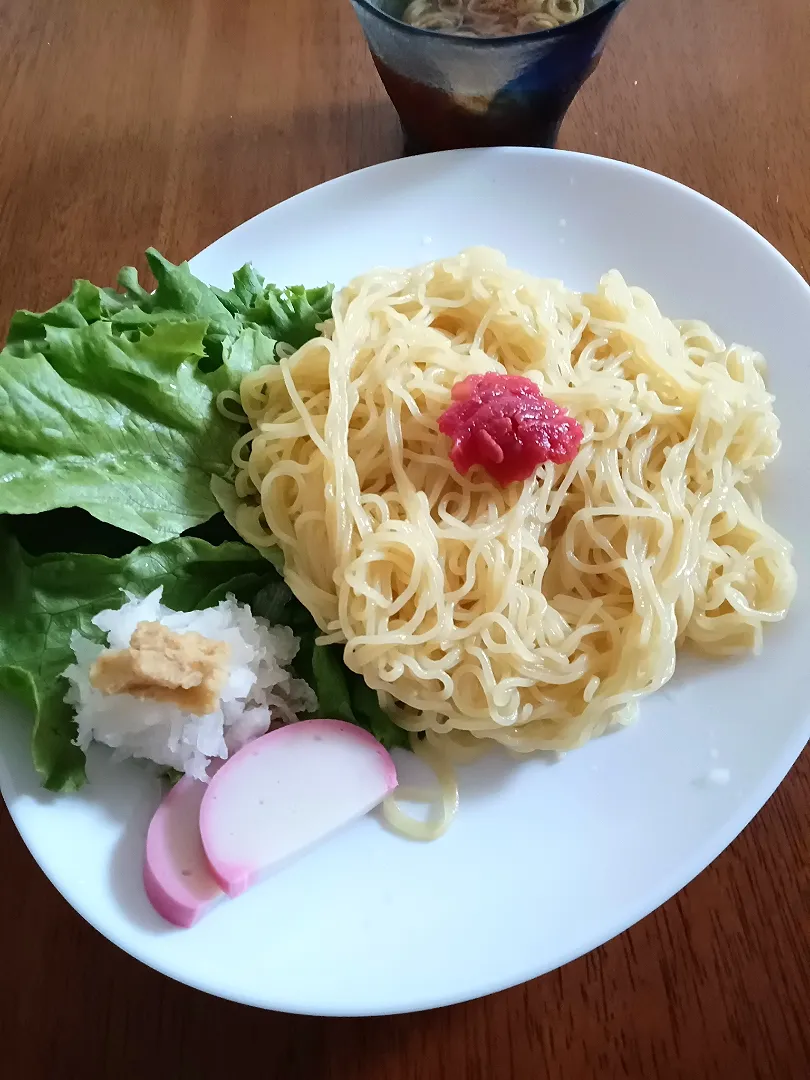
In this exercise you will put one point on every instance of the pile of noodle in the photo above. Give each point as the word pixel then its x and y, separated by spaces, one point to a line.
pixel 535 615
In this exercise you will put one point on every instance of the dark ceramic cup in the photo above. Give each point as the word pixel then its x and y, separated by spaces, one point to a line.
pixel 453 91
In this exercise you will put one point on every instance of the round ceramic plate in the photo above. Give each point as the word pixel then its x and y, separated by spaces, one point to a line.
pixel 546 859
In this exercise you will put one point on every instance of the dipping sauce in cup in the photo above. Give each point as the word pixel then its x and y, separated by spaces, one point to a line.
pixel 484 72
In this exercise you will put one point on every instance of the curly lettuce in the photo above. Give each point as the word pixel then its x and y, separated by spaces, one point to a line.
pixel 109 399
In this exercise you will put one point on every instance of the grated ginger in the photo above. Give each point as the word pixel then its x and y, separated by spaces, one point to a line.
pixel 183 669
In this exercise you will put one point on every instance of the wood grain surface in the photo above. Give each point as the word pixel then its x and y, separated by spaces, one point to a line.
pixel 168 122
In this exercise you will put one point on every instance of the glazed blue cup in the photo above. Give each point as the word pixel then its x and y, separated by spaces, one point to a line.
pixel 453 91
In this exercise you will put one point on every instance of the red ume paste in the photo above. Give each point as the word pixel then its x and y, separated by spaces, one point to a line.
pixel 504 424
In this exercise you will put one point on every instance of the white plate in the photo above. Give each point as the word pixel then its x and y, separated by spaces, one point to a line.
pixel 545 861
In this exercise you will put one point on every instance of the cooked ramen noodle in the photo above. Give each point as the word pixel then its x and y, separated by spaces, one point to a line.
pixel 538 614
pixel 492 18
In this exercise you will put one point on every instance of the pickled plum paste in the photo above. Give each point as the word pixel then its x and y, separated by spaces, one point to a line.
pixel 504 424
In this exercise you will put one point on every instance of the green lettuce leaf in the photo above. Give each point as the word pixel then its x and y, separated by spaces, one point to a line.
pixel 86 304
pixel 127 430
pixel 248 286
pixel 108 399
pixel 43 599
pixel 291 315
pixel 179 290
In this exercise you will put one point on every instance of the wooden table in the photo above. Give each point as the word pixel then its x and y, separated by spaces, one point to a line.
pixel 168 122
